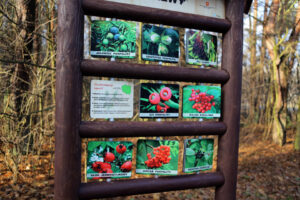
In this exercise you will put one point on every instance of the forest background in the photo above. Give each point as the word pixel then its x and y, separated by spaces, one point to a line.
pixel 269 165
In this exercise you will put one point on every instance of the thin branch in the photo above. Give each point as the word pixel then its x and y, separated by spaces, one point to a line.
pixel 26 63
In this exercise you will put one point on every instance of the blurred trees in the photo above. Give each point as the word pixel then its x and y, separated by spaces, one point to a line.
pixel 27 72
pixel 273 75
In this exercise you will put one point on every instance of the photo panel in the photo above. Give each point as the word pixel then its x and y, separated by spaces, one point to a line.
pixel 160 43
pixel 113 39
pixel 109 159
pixel 201 47
pixel 159 100
pixel 158 157
pixel 198 155
pixel 201 101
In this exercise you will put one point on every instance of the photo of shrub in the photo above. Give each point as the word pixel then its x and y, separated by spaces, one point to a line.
pixel 160 44
pixel 198 155
pixel 201 48
pixel 109 159
pixel 201 101
pixel 113 39
pixel 159 100
pixel 157 157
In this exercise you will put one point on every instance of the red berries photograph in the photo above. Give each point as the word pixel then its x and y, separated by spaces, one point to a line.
pixel 154 98
pixel 161 157
pixel 109 159
pixel 165 93
pixel 126 167
pixel 121 148
pixel 201 101
pixel 159 100
pixel 157 157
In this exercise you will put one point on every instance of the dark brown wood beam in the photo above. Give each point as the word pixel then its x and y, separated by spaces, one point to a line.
pixel 142 129
pixel 247 6
pixel 149 185
pixel 152 72
pixel 154 15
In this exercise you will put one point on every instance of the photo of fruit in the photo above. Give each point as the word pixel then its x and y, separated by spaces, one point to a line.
pixel 201 47
pixel 159 100
pixel 113 39
pixel 160 44
pixel 201 101
pixel 109 159
pixel 157 157
pixel 198 155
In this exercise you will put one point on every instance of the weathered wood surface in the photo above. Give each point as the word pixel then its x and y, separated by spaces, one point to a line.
pixel 153 15
pixel 68 100
pixel 149 185
pixel 231 100
pixel 141 129
pixel 152 72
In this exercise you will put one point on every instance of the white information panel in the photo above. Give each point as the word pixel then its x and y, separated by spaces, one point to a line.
pixel 210 8
pixel 111 99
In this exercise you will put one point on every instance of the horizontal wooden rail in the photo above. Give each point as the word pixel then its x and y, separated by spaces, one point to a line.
pixel 144 129
pixel 154 15
pixel 147 185
pixel 152 72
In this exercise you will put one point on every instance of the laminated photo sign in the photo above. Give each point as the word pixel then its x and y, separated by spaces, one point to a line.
pixel 198 155
pixel 201 101
pixel 109 159
pixel 111 99
pixel 113 39
pixel 159 100
pixel 201 47
pixel 160 44
pixel 157 157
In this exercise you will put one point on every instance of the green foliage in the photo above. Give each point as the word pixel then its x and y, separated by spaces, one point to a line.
pixel 122 40
pixel 199 153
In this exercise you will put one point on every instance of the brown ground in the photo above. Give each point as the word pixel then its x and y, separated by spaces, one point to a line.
pixel 266 171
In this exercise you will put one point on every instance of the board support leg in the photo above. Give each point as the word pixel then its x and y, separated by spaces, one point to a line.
pixel 231 100
pixel 68 100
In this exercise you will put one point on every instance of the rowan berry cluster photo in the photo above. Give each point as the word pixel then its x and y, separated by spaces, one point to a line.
pixel 201 101
pixel 159 100
pixel 157 157
pixel 109 159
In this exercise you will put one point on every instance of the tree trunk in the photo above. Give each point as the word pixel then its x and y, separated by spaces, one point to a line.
pixel 253 69
pixel 297 137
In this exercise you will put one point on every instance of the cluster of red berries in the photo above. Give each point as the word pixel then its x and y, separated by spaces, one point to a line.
pixel 165 94
pixel 101 167
pixel 202 101
pixel 105 167
pixel 161 157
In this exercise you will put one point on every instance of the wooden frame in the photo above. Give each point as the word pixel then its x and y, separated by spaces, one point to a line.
pixel 70 129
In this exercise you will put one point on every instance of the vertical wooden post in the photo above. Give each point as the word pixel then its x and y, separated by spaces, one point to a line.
pixel 231 100
pixel 68 100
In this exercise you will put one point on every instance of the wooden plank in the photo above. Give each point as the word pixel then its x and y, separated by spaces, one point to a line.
pixel 231 100
pixel 141 129
pixel 68 100
pixel 147 185
pixel 152 72
pixel 153 15
pixel 247 6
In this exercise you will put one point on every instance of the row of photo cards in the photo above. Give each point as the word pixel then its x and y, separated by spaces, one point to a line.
pixel 114 99
pixel 159 157
pixel 118 39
